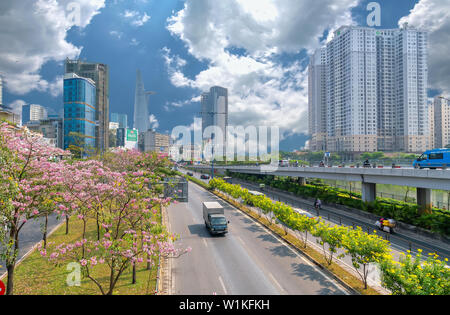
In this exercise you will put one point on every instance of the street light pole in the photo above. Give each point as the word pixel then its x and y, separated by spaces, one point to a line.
pixel 212 163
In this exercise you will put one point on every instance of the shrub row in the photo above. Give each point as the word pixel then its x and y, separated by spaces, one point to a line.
pixel 438 221
pixel 361 247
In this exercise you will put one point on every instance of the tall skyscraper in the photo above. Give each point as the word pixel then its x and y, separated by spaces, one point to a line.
pixel 215 113
pixel 121 119
pixel 431 119
pixel 79 112
pixel 33 112
pixel 317 102
pixel 441 122
pixel 141 113
pixel 1 90
pixel 376 82
pixel 99 73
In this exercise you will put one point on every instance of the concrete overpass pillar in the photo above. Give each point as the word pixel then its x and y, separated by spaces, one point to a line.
pixel 424 200
pixel 369 192
pixel 301 181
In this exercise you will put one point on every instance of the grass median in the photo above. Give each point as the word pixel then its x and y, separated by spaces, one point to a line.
pixel 37 276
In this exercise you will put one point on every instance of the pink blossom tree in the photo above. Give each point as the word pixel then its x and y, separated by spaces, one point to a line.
pixel 126 207
pixel 26 178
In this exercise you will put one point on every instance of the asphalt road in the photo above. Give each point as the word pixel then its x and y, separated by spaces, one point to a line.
pixel 247 261
pixel 399 243
pixel 30 235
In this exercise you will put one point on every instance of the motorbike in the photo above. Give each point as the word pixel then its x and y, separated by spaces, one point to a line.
pixel 386 225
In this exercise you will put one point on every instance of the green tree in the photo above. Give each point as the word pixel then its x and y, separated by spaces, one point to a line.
pixel 414 276
pixel 364 249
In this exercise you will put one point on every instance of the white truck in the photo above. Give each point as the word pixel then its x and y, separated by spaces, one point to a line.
pixel 214 216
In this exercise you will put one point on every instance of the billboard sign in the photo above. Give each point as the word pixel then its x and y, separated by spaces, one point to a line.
pixel 132 135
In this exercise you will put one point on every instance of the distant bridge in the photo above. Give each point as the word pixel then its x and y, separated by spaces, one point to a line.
pixel 423 180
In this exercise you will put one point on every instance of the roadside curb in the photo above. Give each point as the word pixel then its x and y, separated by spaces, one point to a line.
pixel 164 279
pixel 306 255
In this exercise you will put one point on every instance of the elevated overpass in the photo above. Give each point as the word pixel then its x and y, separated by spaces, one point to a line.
pixel 424 180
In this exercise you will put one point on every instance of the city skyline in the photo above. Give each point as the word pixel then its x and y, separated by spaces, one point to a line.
pixel 263 90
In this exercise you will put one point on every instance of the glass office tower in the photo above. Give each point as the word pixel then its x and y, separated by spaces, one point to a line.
pixel 79 112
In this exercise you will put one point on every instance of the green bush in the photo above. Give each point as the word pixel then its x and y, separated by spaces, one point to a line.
pixel 438 221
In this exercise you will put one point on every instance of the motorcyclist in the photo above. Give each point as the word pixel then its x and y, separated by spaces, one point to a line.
pixel 366 163
pixel 321 164
pixel 318 204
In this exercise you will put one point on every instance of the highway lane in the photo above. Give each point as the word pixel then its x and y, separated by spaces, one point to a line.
pixel 399 243
pixel 247 261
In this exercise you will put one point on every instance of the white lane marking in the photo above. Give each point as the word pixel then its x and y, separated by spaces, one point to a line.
pixel 298 255
pixel 205 242
pixel 270 274
pixel 277 283
pixel 336 284
pixel 223 285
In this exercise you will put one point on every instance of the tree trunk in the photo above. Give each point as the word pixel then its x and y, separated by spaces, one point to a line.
pixel 11 264
pixel 10 283
pixel 98 229
pixel 67 225
pixel 149 267
pixel 44 238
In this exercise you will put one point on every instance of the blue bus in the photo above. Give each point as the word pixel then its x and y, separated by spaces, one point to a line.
pixel 433 159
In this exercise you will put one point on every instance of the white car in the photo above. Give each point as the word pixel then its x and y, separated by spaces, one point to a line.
pixel 305 213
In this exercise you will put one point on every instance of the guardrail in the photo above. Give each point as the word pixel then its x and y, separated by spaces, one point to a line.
pixel 332 216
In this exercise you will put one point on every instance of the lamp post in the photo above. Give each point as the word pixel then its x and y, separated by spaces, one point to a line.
pixel 212 163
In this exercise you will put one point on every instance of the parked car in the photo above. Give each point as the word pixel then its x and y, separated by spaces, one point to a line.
pixel 433 159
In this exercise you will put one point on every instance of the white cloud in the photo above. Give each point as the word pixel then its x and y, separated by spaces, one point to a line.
pixel 134 42
pixel 116 34
pixel 17 106
pixel 35 33
pixel 55 88
pixel 154 123
pixel 434 17
pixel 136 18
pixel 262 91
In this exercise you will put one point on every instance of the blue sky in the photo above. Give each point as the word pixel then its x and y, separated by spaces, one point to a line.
pixel 165 40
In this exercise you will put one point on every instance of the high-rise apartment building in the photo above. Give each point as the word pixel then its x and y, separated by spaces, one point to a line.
pixel 33 112
pixel 441 122
pixel 152 141
pixel 99 73
pixel 79 112
pixel 431 140
pixel 375 91
pixel 215 113
pixel 121 119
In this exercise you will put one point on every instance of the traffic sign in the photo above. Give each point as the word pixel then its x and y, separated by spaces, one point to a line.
pixel 2 288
